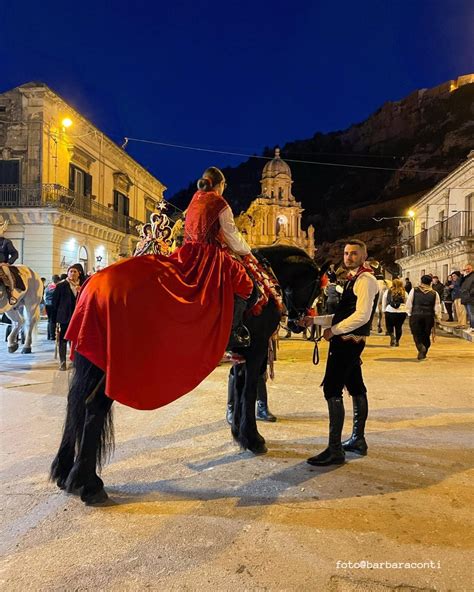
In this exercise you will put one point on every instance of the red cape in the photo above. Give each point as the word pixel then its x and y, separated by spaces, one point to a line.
pixel 158 325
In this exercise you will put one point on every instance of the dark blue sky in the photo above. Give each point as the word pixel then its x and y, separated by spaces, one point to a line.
pixel 233 76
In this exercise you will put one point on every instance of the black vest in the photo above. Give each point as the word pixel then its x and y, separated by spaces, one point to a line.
pixel 423 303
pixel 347 306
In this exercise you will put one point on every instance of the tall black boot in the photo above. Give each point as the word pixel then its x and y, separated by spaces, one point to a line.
pixel 334 453
pixel 62 350
pixel 263 412
pixel 239 336
pixel 356 443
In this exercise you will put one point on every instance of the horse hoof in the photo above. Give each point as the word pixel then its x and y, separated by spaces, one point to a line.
pixel 259 448
pixel 12 348
pixel 94 499
pixel 26 350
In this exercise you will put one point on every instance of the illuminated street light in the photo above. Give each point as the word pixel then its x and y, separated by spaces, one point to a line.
pixel 411 214
pixel 66 122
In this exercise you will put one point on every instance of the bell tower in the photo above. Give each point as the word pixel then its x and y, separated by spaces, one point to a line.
pixel 274 217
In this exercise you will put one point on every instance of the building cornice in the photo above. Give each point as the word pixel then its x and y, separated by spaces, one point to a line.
pixel 45 92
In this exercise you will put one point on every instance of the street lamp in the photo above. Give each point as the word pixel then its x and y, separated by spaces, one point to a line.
pixel 409 216
pixel 66 122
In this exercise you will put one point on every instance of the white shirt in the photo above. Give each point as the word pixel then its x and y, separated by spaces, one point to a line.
pixel 365 288
pixel 232 236
pixel 437 307
pixel 388 308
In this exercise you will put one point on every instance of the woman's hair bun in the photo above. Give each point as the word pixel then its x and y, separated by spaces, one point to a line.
pixel 204 184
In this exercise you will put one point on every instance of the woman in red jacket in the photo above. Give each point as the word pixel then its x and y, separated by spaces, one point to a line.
pixel 183 304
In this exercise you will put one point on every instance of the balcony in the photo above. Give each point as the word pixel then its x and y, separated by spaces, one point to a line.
pixel 461 225
pixel 59 197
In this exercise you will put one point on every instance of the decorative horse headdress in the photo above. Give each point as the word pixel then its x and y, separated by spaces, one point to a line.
pixel 155 236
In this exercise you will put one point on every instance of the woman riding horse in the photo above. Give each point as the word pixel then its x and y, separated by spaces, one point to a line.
pixel 186 303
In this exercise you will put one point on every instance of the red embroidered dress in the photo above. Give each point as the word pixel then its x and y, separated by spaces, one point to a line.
pixel 159 325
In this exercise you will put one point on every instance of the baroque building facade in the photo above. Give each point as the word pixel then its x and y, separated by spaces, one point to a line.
pixel 274 217
pixel 440 238
pixel 70 193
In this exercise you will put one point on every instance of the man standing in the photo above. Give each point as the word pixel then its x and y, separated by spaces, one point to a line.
pixel 347 335
pixel 460 310
pixel 467 294
pixel 423 305
pixel 8 256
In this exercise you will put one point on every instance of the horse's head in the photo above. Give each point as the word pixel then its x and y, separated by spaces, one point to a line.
pixel 299 278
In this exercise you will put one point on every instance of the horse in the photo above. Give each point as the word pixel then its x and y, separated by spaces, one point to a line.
pixel 26 311
pixel 87 437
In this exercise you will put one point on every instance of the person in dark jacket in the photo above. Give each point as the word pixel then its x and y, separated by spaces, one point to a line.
pixel 423 305
pixel 48 303
pixel 8 256
pixel 64 303
pixel 408 285
pixel 460 309
pixel 448 298
pixel 467 294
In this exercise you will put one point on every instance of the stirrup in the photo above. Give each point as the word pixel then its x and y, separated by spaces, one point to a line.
pixel 240 337
pixel 12 300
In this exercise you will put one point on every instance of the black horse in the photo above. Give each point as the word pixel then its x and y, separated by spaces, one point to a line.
pixel 88 431
pixel 299 278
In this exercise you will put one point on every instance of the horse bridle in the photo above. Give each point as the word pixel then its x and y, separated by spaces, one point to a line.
pixel 302 313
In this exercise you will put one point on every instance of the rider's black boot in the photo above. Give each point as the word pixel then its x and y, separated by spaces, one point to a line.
pixel 239 336
pixel 334 453
pixel 263 412
pixel 356 443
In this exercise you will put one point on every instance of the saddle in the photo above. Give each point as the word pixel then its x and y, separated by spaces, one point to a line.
pixel 18 283
pixel 11 278
pixel 265 285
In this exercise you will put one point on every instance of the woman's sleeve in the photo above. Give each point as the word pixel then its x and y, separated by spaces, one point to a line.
pixel 230 233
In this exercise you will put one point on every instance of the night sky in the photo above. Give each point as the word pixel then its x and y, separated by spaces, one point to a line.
pixel 233 76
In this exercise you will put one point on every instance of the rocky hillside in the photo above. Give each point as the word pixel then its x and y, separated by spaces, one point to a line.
pixel 431 130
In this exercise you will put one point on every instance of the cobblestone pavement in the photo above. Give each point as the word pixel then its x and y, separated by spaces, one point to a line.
pixel 192 512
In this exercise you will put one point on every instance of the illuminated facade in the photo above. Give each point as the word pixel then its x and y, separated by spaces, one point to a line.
pixel 440 238
pixel 70 193
pixel 274 217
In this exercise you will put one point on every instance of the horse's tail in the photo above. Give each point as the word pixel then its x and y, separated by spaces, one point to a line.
pixel 88 390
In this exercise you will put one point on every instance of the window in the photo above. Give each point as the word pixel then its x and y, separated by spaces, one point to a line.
pixel 445 273
pixel 84 259
pixel 9 172
pixel 121 203
pixel 79 181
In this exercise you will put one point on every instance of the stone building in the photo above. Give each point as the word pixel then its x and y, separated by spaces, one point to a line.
pixel 274 217
pixel 70 193
pixel 440 239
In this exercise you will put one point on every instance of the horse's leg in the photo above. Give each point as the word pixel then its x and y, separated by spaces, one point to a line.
pixel 17 322
pixel 248 436
pixel 32 317
pixel 236 387
pixel 97 437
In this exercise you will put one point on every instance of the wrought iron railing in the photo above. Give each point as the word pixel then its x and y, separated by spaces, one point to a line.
pixel 460 225
pixel 52 195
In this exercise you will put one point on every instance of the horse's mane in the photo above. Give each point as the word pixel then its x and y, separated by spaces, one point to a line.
pixel 286 253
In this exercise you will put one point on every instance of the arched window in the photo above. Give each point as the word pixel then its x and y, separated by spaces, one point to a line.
pixel 84 259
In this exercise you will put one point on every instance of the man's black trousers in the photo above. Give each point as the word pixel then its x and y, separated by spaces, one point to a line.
pixel 343 368
pixel 421 326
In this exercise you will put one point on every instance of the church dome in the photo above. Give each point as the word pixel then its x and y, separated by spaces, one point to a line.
pixel 277 166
